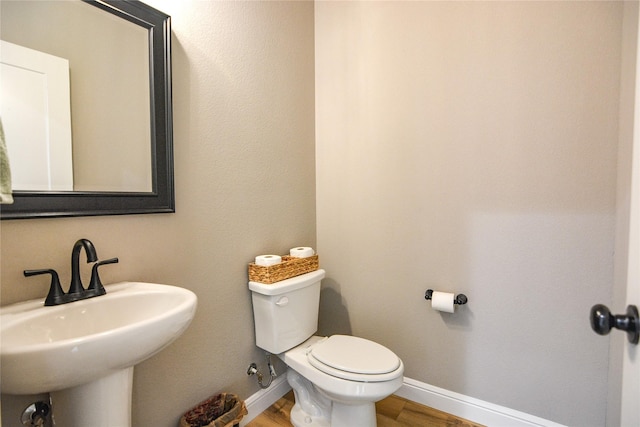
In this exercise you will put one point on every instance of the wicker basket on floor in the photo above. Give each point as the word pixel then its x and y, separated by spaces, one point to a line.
pixel 221 410
pixel 289 267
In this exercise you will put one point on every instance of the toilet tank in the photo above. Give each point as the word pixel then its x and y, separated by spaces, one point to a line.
pixel 285 313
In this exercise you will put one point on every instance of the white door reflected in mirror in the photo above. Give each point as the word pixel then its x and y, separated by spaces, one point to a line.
pixel 36 116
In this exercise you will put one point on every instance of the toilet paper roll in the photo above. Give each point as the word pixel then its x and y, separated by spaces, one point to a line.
pixel 267 260
pixel 302 252
pixel 442 301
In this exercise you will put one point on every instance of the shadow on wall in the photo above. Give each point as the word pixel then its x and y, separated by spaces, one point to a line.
pixel 333 317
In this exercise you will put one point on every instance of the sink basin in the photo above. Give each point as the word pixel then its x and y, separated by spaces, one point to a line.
pixel 45 349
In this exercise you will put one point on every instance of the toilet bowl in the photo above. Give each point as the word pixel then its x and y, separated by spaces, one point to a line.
pixel 337 379
pixel 350 389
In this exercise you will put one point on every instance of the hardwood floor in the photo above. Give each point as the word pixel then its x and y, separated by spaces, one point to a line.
pixel 393 411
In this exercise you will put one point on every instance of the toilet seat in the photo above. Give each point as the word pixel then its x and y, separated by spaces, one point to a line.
pixel 354 358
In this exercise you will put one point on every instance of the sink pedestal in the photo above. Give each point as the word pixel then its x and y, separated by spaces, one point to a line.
pixel 105 402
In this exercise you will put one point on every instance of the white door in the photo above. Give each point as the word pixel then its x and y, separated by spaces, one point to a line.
pixel 630 407
pixel 623 406
pixel 630 412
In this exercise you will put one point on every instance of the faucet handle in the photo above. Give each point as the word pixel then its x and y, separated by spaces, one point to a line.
pixel 55 294
pixel 95 286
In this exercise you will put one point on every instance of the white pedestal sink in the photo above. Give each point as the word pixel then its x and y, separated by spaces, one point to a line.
pixel 83 352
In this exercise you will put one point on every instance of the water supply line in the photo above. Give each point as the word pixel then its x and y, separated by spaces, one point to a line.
pixel 253 370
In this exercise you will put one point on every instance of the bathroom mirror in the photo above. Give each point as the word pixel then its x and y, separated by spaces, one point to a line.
pixel 113 129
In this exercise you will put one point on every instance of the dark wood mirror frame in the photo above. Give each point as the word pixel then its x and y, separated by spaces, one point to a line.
pixel 161 198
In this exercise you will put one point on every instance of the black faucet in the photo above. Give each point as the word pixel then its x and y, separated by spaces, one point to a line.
pixel 75 288
pixel 76 291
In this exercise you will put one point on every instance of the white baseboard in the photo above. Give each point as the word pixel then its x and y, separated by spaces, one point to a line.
pixel 462 406
pixel 469 408
pixel 262 399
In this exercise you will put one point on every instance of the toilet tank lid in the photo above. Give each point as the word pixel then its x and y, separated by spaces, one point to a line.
pixel 287 285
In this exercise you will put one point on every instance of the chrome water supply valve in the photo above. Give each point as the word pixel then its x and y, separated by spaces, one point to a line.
pixel 38 414
pixel 253 370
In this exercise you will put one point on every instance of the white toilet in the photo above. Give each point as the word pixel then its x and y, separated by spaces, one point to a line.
pixel 336 379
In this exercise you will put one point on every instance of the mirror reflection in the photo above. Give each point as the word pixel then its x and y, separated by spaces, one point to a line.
pixel 92 134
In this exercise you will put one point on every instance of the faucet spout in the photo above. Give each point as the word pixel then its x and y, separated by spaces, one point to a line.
pixel 90 250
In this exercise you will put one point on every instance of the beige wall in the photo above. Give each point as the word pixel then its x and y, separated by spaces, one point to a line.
pixel 244 163
pixel 471 147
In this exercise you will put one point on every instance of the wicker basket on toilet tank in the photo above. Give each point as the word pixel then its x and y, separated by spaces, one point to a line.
pixel 289 267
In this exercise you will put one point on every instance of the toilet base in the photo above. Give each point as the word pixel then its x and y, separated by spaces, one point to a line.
pixel 299 418
pixel 311 408
pixel 314 409
pixel 342 415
